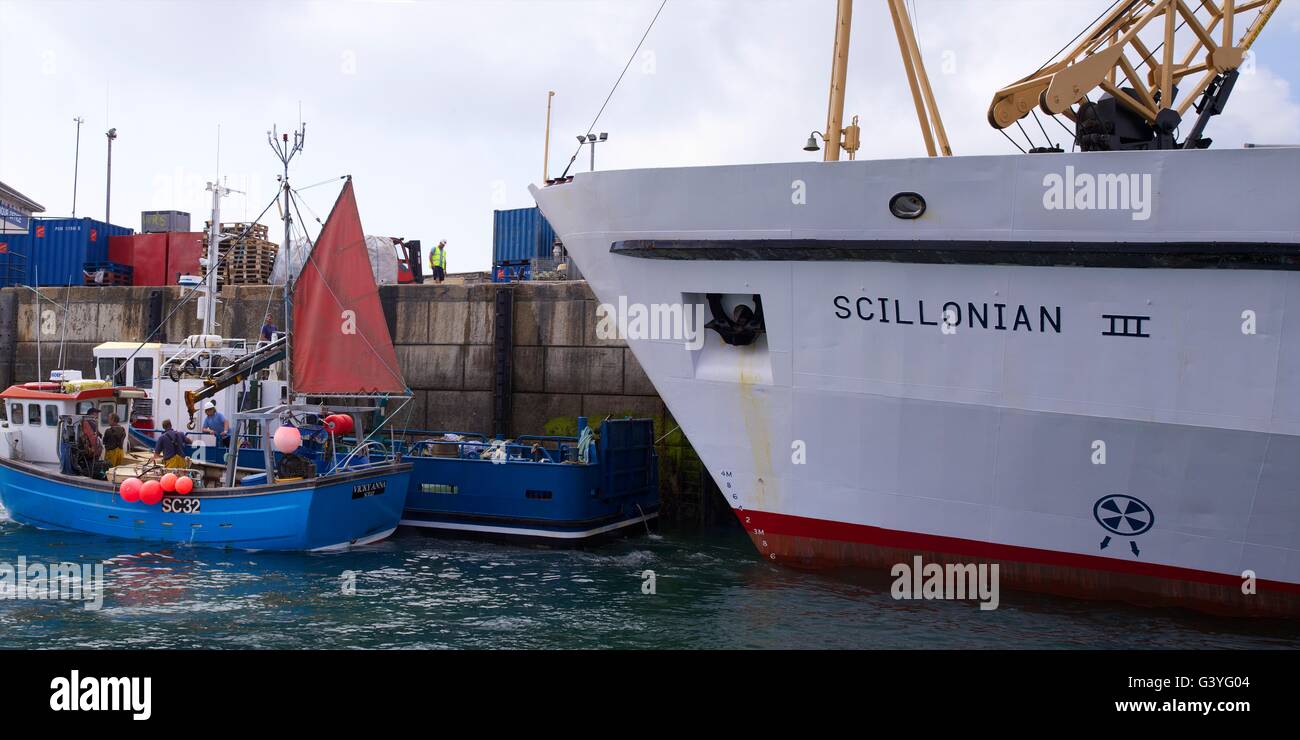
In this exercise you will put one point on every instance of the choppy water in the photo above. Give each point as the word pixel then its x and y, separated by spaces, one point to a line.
pixel 414 591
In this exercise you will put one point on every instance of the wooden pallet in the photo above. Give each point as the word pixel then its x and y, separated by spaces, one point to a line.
pixel 245 230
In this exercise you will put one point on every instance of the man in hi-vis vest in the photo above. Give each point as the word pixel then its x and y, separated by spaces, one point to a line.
pixel 438 262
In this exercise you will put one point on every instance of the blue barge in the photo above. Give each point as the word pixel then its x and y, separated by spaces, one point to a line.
pixel 555 490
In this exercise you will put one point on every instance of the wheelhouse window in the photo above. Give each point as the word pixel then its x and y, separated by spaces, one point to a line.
pixel 16 413
pixel 34 414
pixel 113 369
pixel 142 372
pixel 51 415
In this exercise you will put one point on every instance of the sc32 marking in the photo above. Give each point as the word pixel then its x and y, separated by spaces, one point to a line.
pixel 174 505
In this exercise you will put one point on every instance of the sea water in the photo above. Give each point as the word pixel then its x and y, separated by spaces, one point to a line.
pixel 683 589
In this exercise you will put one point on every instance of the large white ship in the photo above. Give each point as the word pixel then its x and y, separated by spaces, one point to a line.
pixel 1083 366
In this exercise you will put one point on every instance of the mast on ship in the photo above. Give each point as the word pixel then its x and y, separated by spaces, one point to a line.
pixel 286 152
pixel 209 304
pixel 838 136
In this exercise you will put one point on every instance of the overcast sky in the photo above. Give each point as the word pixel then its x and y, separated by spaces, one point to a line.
pixel 438 108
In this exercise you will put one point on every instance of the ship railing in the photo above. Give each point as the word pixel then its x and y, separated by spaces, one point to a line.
pixel 470 446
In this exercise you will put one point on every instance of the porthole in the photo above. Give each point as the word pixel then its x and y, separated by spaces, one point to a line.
pixel 907 205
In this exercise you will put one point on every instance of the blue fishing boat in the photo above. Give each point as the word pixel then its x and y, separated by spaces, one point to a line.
pixel 277 494
pixel 555 490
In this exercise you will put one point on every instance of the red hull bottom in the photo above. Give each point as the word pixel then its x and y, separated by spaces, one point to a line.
pixel 816 543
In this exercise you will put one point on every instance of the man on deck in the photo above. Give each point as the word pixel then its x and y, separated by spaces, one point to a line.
pixel 216 424
pixel 268 329
pixel 90 433
pixel 114 441
pixel 170 447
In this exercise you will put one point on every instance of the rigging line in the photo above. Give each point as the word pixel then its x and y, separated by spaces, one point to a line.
pixel 310 252
pixel 322 182
pixel 1026 134
pixel 186 296
pixel 1040 127
pixel 1062 125
pixel 630 59
pixel 1013 141
pixel 1081 33
pixel 306 205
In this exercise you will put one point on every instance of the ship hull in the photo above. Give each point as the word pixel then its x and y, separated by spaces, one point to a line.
pixel 323 514
pixel 1104 402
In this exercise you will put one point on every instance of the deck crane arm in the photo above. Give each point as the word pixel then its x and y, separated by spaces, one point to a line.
pixel 263 357
pixel 1141 111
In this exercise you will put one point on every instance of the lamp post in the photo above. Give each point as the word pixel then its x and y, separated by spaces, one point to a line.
pixel 592 140
pixel 76 164
pixel 108 191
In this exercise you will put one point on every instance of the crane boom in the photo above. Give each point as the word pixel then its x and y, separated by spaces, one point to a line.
pixel 236 372
pixel 1141 111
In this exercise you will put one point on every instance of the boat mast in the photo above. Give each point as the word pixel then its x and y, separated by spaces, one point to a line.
pixel 839 76
pixel 838 136
pixel 214 239
pixel 285 151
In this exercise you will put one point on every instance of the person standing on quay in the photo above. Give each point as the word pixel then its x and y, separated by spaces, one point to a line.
pixel 438 262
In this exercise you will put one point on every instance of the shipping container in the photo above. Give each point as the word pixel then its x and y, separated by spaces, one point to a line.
pixel 146 254
pixel 520 234
pixel 58 249
pixel 13 263
pixel 183 252
pixel 161 222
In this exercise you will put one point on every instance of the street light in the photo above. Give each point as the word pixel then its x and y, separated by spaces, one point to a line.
pixel 811 146
pixel 76 163
pixel 108 191
pixel 592 140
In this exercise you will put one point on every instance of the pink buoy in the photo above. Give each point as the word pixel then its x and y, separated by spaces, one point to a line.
pixel 184 485
pixel 151 492
pixel 130 490
pixel 168 482
pixel 287 439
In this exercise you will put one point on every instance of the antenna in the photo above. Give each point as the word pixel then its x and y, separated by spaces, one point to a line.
pixel 286 152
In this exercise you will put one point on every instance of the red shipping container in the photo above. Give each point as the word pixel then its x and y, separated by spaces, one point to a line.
pixel 145 253
pixel 120 249
pixel 184 248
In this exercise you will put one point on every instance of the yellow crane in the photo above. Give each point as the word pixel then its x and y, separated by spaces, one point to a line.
pixel 1173 40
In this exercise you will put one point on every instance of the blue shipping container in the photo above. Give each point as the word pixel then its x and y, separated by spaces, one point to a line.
pixel 13 265
pixel 58 249
pixel 520 234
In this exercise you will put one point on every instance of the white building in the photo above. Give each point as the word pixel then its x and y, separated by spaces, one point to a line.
pixel 16 210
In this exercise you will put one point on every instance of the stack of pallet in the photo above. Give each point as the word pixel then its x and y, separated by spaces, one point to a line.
pixel 106 273
pixel 246 255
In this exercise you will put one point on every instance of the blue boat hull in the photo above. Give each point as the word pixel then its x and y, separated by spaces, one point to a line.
pixel 521 500
pixel 319 514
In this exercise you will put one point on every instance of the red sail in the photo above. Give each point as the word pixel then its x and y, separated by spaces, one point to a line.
pixel 339 337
